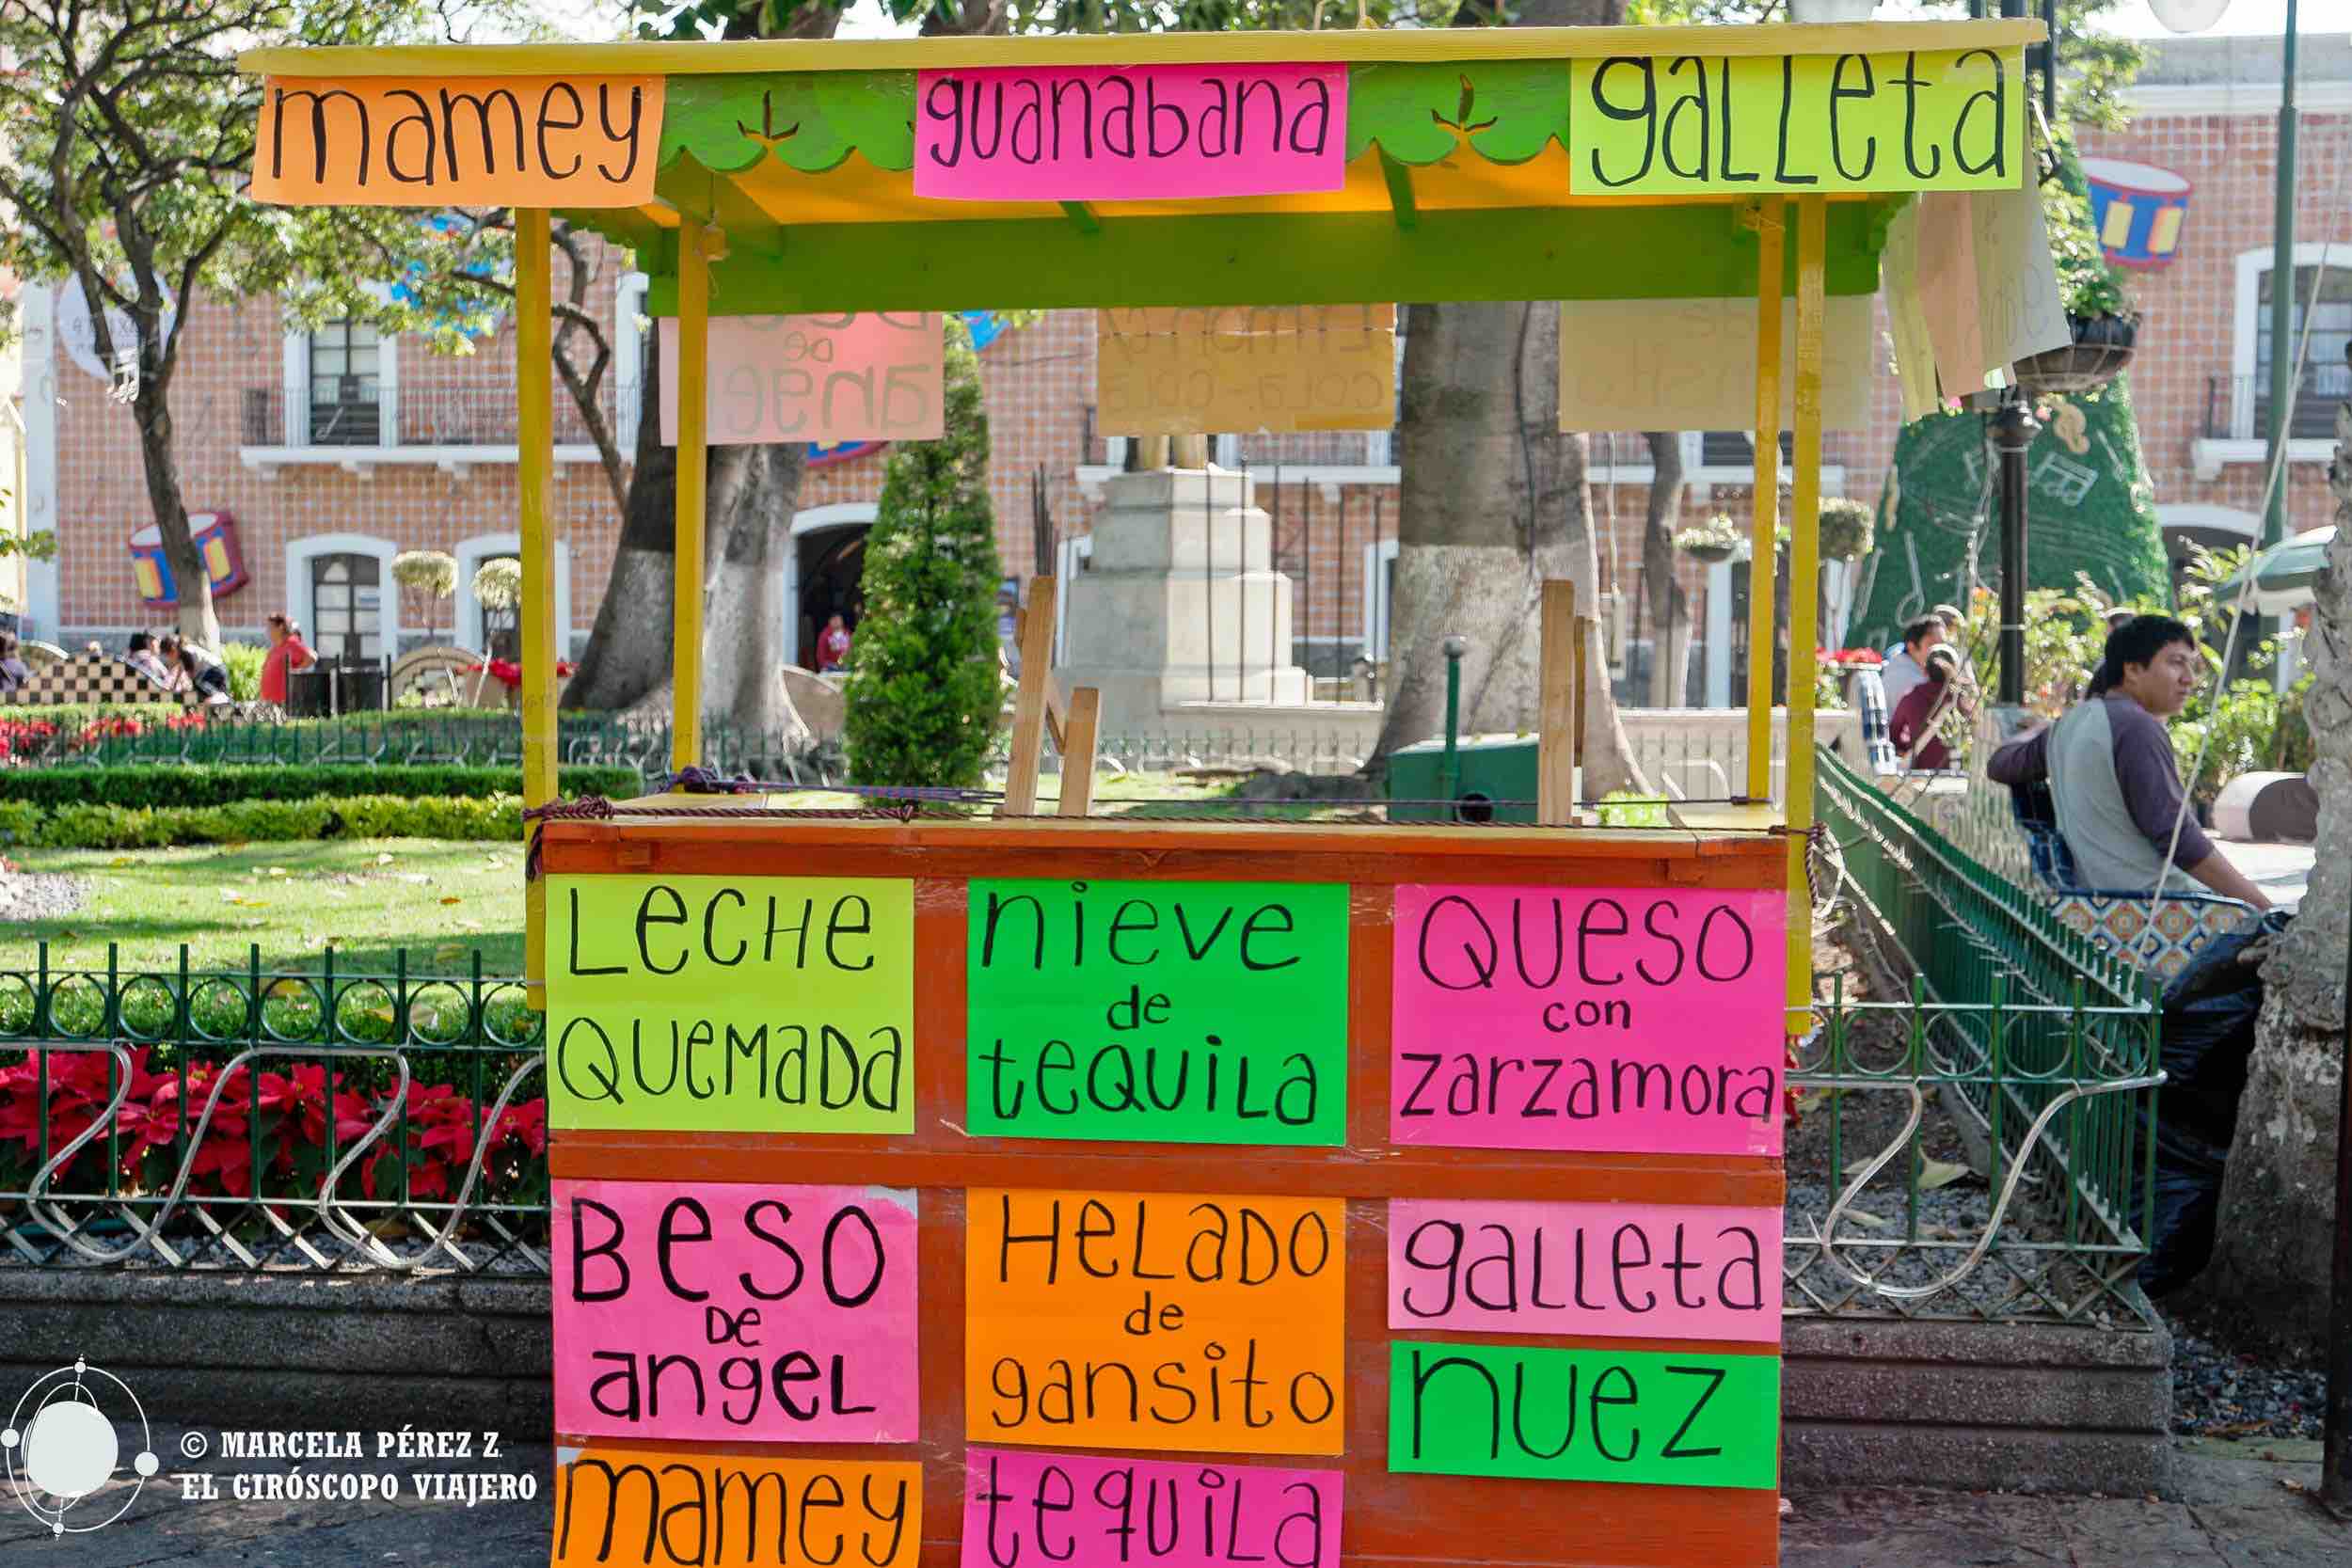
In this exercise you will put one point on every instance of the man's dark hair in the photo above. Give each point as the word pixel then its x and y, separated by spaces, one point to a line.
pixel 1914 630
pixel 2137 640
pixel 140 643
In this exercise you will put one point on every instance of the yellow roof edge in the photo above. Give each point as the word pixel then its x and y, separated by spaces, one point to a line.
pixel 1349 45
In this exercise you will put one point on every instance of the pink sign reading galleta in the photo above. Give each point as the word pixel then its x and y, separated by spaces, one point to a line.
pixel 1644 1271
pixel 1022 1509
pixel 1152 133
pixel 1641 1020
pixel 773 1313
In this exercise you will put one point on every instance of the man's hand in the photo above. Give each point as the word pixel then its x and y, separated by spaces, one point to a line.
pixel 2217 873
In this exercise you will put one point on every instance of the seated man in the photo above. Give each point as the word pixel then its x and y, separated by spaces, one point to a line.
pixel 1921 715
pixel 2112 774
pixel 1907 666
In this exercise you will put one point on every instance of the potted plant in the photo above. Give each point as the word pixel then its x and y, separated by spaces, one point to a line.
pixel 2098 309
pixel 427 578
pixel 1712 541
pixel 1845 525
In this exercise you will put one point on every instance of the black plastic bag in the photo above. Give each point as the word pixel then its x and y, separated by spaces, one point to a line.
pixel 2210 1010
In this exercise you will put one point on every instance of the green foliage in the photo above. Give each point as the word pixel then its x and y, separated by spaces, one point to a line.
pixel 244 662
pixel 2087 283
pixel 1845 525
pixel 924 697
pixel 171 784
pixel 498 818
pixel 1625 808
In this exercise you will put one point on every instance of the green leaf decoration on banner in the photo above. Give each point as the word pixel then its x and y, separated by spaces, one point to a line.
pixel 1507 109
pixel 811 120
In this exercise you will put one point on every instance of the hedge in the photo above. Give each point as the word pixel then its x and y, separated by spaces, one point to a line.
pixel 174 784
pixel 113 826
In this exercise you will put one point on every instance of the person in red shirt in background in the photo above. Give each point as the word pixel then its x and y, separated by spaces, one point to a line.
pixel 1917 717
pixel 833 647
pixel 286 654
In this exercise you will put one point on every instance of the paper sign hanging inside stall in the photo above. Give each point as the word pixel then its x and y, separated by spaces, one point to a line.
pixel 1907 319
pixel 830 379
pixel 1690 364
pixel 1986 289
pixel 1174 373
pixel 526 141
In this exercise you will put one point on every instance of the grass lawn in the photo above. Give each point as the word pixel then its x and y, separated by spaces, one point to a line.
pixel 367 898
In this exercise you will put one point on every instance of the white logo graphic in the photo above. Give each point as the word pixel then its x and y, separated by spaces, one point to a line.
pixel 61 1446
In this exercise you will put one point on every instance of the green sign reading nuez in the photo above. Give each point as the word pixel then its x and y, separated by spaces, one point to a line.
pixel 1671 1418
pixel 1172 1012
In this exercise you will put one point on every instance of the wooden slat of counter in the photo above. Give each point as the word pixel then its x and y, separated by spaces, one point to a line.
pixel 1387 1518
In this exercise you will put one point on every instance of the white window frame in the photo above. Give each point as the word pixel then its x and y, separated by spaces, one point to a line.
pixel 471 553
pixel 628 359
pixel 298 598
pixel 296 376
pixel 2248 319
pixel 1379 616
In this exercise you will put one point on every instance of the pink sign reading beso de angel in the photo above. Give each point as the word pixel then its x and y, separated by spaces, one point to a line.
pixel 1646 1271
pixel 1633 1019
pixel 710 1311
pixel 1022 1508
pixel 1152 133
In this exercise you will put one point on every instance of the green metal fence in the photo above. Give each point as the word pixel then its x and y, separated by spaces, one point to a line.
pixel 2040 1049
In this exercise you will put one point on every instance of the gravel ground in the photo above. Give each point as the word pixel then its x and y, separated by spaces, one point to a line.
pixel 26 898
pixel 2219 1392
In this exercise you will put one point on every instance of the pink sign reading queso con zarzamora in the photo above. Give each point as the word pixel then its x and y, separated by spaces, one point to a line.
pixel 1637 1020
pixel 1644 1271
pixel 1154 132
pixel 1023 1509
pixel 716 1311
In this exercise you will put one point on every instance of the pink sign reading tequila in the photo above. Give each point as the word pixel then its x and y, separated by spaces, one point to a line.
pixel 1639 1020
pixel 1023 1508
pixel 1152 133
pixel 711 1311
pixel 1644 1271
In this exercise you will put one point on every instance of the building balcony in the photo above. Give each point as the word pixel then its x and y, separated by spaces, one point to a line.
pixel 450 428
pixel 2238 418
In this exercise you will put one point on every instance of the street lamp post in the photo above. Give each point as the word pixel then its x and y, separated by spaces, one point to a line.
pixel 2281 298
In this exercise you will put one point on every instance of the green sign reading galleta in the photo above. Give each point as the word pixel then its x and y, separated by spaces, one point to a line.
pixel 1676 1418
pixel 1169 1012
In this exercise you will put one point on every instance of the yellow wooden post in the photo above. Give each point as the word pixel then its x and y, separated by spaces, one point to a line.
pixel 692 392
pixel 1556 691
pixel 1771 235
pixel 1804 570
pixel 534 454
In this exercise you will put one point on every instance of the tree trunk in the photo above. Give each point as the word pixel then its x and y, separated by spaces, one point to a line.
pixel 1493 501
pixel 1670 608
pixel 628 651
pixel 743 616
pixel 194 615
pixel 2272 1250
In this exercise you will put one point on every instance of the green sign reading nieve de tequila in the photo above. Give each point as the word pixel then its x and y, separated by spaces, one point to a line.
pixel 1672 1419
pixel 1164 1011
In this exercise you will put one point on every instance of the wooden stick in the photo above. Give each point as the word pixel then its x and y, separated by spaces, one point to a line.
pixel 1078 751
pixel 1771 251
pixel 1580 750
pixel 1030 705
pixel 1555 746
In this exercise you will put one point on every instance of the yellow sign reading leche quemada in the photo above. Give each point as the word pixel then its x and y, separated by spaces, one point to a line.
pixel 1949 120
pixel 723 1003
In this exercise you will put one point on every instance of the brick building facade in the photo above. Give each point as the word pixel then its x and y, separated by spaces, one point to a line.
pixel 332 452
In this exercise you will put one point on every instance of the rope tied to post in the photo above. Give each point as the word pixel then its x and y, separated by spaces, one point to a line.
pixel 588 808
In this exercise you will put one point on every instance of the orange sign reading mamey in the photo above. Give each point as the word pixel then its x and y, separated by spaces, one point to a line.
pixel 526 141
pixel 1191 1322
